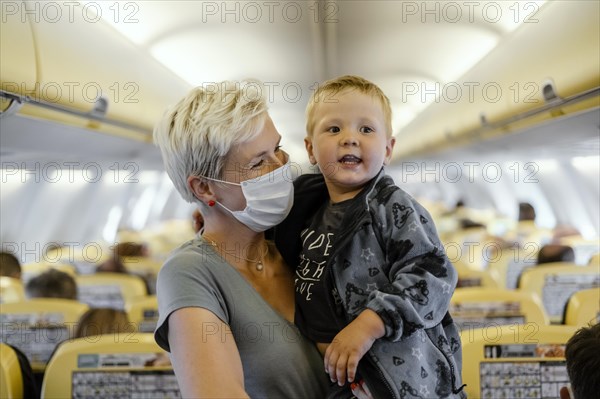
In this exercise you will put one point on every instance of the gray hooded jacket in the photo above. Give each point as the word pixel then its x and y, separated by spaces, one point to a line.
pixel 387 257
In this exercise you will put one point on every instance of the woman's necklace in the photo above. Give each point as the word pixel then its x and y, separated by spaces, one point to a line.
pixel 258 262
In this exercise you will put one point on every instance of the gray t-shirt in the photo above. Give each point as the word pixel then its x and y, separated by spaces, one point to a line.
pixel 278 361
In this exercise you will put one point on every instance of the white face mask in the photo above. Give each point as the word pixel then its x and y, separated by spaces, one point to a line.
pixel 269 199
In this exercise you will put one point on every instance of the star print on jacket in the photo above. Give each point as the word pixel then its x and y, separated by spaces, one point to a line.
pixel 367 254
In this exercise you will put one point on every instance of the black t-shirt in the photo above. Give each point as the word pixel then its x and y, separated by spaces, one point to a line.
pixel 316 299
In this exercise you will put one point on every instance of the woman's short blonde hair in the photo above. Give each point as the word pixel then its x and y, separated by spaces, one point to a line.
pixel 196 135
pixel 343 83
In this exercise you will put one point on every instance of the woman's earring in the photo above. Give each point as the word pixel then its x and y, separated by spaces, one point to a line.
pixel 211 203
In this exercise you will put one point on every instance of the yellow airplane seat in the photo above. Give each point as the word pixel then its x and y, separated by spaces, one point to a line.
pixel 11 290
pixel 555 283
pixel 510 263
pixel 143 312
pixel 38 325
pixel 141 265
pixel 11 378
pixel 479 307
pixel 526 232
pixel 468 277
pixel 584 249
pixel 515 361
pixel 583 308
pixel 110 290
pixel 128 365
pixel 144 267
pixel 468 246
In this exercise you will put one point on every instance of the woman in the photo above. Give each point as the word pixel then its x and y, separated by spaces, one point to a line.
pixel 226 298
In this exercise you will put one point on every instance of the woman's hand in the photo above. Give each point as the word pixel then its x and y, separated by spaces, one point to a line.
pixel 360 390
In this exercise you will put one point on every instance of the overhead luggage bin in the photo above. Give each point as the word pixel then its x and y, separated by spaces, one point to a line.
pixel 18 71
pixel 67 65
pixel 545 69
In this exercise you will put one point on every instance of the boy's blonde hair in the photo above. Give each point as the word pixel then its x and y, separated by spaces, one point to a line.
pixel 335 86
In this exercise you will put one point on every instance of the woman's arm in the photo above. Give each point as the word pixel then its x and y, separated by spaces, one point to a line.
pixel 204 355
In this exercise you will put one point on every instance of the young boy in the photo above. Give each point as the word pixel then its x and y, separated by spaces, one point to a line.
pixel 373 283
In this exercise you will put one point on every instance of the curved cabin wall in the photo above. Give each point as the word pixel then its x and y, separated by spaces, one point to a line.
pixel 562 46
pixel 65 56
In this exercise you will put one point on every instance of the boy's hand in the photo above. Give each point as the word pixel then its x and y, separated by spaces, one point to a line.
pixel 350 345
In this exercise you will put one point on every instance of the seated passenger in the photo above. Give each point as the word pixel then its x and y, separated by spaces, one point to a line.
pixel 555 253
pixel 115 264
pixel 9 265
pixel 526 212
pixel 583 363
pixel 112 265
pixel 52 284
pixel 468 224
pixel 131 249
pixel 99 321
pixel 527 232
pixel 552 253
pixel 125 249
